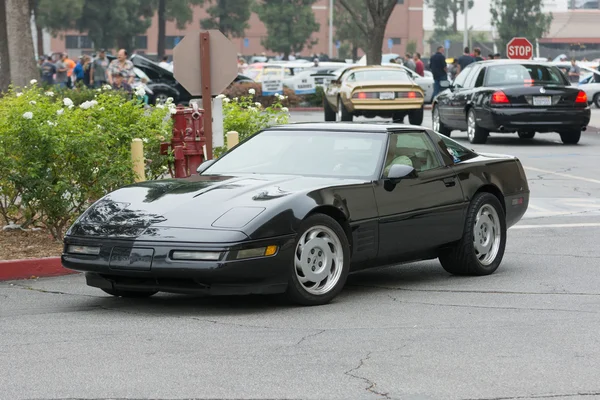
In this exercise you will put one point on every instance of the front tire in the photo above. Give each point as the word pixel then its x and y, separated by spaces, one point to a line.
pixel 438 125
pixel 321 262
pixel 131 294
pixel 570 137
pixel 480 250
pixel 476 134
pixel 329 112
pixel 416 117
pixel 343 114
pixel 159 98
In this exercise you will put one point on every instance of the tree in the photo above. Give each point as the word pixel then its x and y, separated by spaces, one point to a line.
pixel 179 11
pixel 23 67
pixel 346 30
pixel 443 10
pixel 373 27
pixel 289 23
pixel 108 22
pixel 229 16
pixel 4 61
pixel 523 18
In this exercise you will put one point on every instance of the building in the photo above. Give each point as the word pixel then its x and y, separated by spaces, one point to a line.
pixel 405 25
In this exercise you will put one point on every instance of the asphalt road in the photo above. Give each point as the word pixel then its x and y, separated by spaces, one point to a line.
pixel 530 331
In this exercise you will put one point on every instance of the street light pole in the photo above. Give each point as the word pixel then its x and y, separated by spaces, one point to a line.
pixel 466 32
pixel 330 28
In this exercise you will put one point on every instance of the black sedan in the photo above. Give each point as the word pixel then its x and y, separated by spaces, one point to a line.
pixel 329 199
pixel 511 96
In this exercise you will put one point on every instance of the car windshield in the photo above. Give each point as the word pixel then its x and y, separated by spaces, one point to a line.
pixel 287 152
pixel 518 74
pixel 457 151
pixel 395 74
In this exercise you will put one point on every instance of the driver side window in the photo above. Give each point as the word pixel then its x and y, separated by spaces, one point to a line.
pixel 413 149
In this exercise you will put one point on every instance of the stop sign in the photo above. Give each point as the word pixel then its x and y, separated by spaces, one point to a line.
pixel 223 62
pixel 519 48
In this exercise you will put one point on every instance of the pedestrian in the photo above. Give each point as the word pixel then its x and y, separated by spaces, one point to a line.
pixel 48 71
pixel 439 69
pixel 119 81
pixel 410 64
pixel 98 70
pixel 419 66
pixel 477 54
pixel 62 72
pixel 78 70
pixel 120 65
pixel 497 56
pixel 574 71
pixel 464 61
pixel 490 56
pixel 87 71
pixel 164 63
pixel 316 62
pixel 70 67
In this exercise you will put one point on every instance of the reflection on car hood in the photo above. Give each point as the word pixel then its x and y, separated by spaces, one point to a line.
pixel 194 202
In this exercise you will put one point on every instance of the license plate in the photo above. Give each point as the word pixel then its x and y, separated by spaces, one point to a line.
pixel 542 100
pixel 386 96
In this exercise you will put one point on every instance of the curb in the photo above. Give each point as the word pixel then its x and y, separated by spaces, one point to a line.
pixel 317 109
pixel 32 268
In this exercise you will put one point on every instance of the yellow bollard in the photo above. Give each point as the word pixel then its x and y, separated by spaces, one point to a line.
pixel 233 138
pixel 137 156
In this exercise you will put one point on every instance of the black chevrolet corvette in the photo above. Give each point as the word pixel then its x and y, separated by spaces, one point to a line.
pixel 296 208
pixel 511 96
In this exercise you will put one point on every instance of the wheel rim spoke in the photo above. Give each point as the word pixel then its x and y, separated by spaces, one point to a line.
pixel 487 234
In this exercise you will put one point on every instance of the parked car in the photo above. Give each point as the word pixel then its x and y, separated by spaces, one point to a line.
pixel 425 82
pixel 590 84
pixel 374 91
pixel 372 195
pixel 511 96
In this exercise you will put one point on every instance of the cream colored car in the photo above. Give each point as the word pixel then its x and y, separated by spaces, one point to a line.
pixel 374 91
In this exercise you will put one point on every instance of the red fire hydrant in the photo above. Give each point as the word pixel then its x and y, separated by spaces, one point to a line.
pixel 187 142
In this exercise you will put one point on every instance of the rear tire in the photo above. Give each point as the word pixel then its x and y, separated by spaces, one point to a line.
pixel 131 294
pixel 398 117
pixel 416 117
pixel 480 250
pixel 438 125
pixel 325 257
pixel 526 135
pixel 343 114
pixel 329 112
pixel 476 134
pixel 570 137
pixel 597 100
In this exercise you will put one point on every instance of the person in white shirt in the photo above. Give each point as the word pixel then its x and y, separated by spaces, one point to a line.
pixel 165 63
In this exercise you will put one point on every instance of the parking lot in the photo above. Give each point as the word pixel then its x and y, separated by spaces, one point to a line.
pixel 405 332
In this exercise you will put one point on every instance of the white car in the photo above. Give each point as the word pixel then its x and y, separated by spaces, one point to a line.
pixel 590 84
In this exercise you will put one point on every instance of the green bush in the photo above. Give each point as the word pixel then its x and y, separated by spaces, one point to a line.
pixel 57 157
pixel 315 99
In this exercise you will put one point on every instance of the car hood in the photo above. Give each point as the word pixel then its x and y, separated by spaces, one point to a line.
pixel 198 202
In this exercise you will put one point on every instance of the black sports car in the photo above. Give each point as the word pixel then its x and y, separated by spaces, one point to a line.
pixel 511 96
pixel 328 199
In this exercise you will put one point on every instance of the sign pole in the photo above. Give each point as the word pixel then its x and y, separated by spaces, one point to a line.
pixel 206 91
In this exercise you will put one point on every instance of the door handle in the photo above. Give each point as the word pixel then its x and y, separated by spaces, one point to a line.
pixel 449 182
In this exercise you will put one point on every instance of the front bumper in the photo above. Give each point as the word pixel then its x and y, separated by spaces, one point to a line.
pixel 536 120
pixel 160 272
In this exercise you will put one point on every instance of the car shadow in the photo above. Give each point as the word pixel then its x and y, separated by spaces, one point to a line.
pixel 540 140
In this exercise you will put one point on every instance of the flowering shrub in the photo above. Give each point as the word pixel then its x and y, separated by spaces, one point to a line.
pixel 247 116
pixel 242 89
pixel 57 155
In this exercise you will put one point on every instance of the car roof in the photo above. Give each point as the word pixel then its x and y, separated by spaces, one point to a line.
pixel 509 62
pixel 355 127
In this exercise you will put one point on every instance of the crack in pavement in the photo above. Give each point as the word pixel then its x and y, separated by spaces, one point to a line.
pixel 372 385
pixel 53 291
pixel 491 307
pixel 310 335
pixel 579 190
pixel 554 255
pixel 537 396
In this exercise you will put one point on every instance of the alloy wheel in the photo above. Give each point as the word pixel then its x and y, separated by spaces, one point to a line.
pixel 161 98
pixel 436 120
pixel 471 126
pixel 339 110
pixel 319 260
pixel 487 234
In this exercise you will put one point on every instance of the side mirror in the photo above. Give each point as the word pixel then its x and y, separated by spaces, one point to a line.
pixel 446 85
pixel 400 171
pixel 204 166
